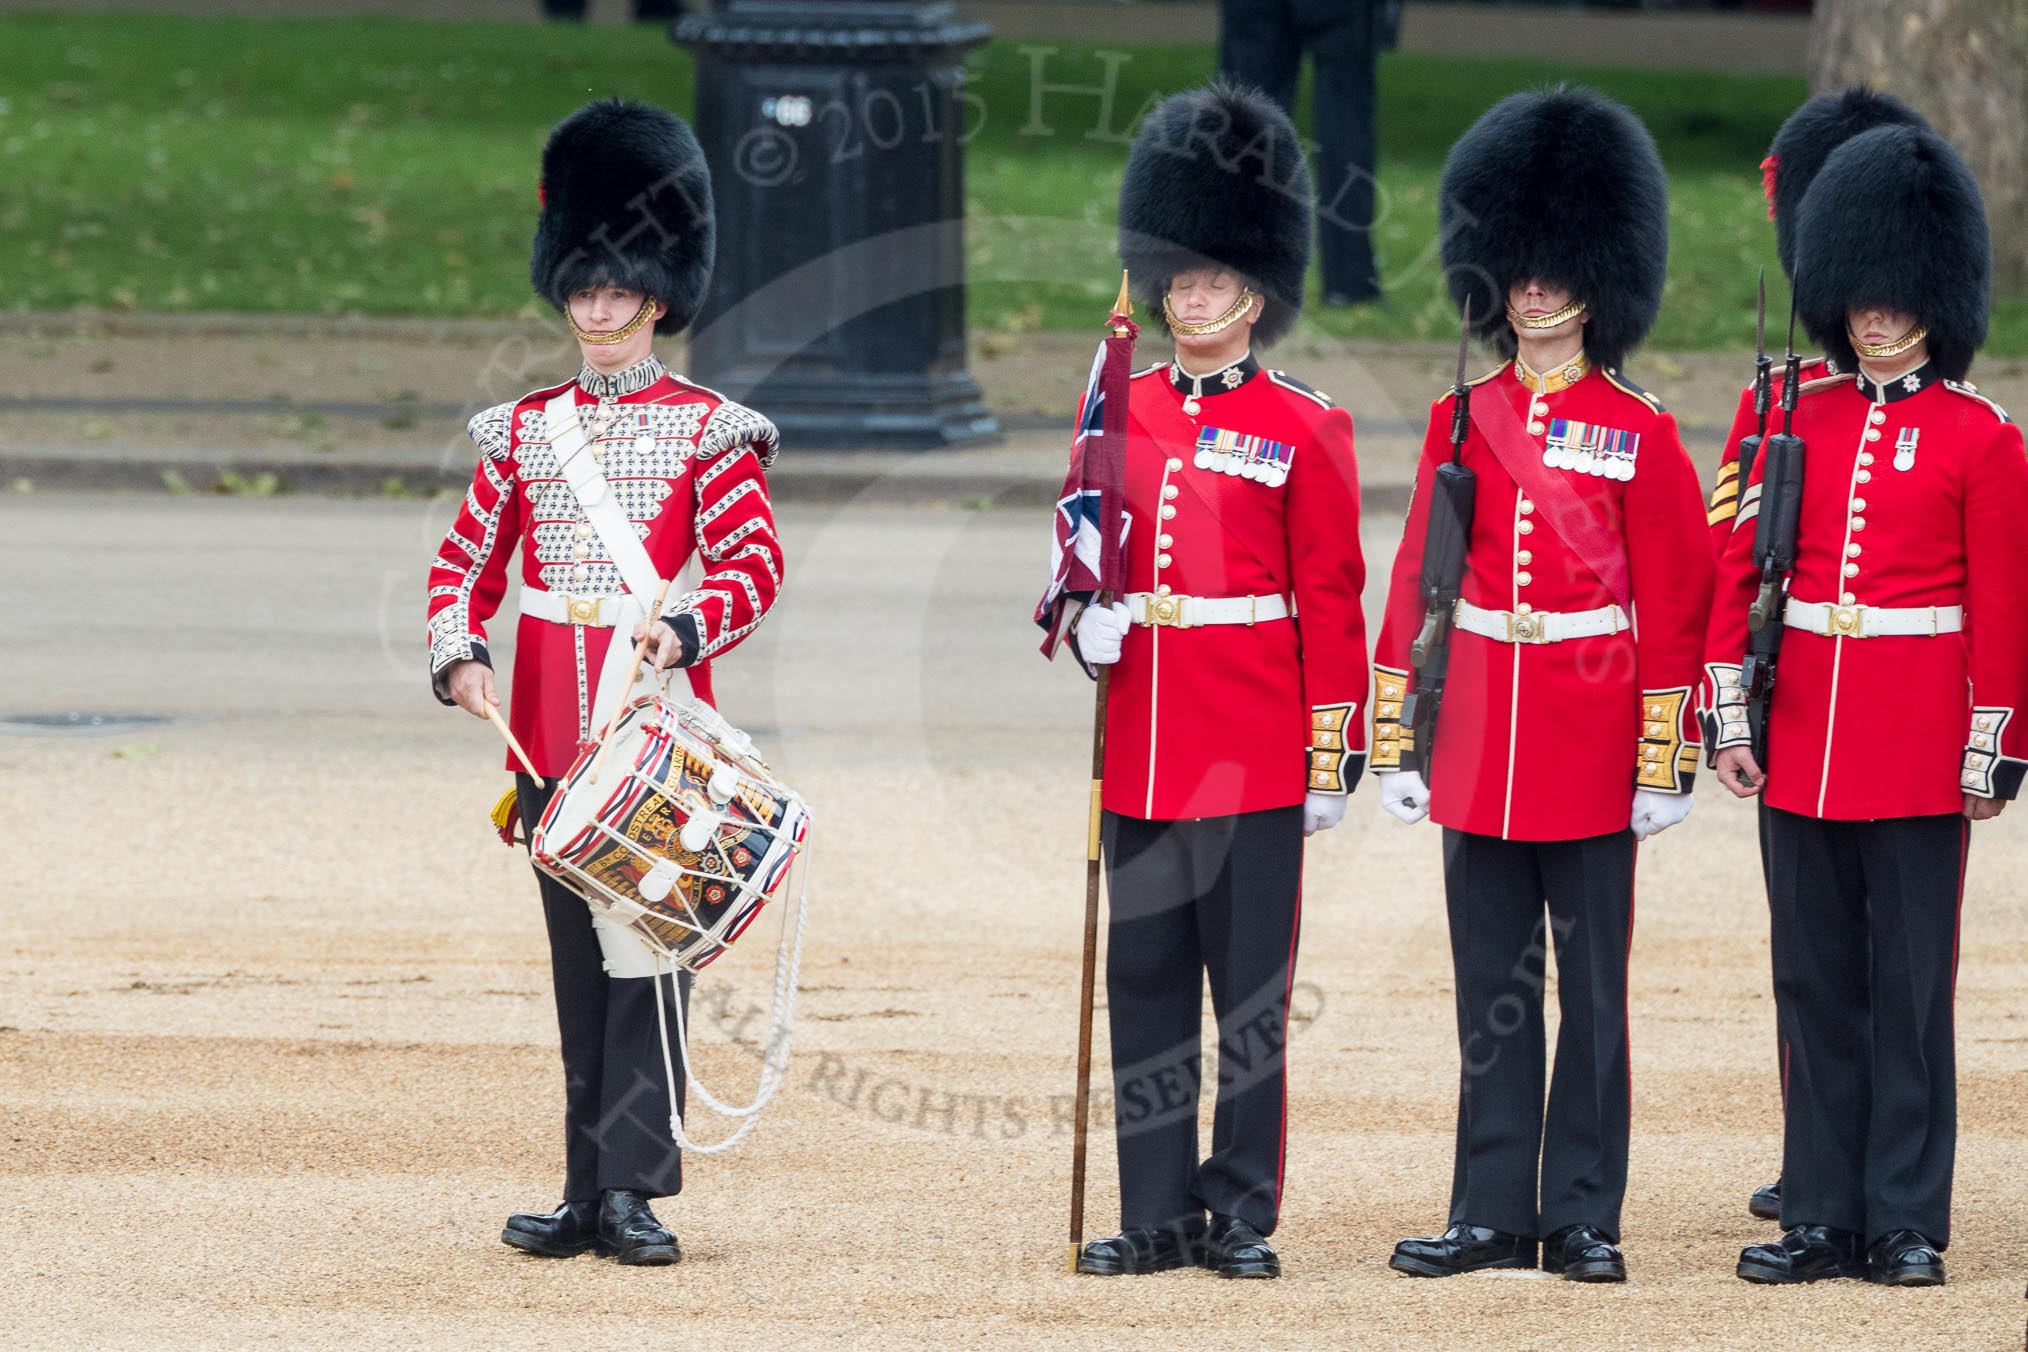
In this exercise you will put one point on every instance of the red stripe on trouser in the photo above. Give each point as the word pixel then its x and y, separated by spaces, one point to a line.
pixel 1958 920
pixel 1288 991
pixel 1626 983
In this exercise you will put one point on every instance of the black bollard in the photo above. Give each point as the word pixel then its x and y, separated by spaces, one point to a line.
pixel 834 130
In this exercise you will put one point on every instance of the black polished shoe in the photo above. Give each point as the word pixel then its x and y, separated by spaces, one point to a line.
pixel 563 1233
pixel 1582 1253
pixel 1807 1253
pixel 1462 1248
pixel 629 1232
pixel 1136 1252
pixel 1766 1203
pixel 1904 1258
pixel 1232 1248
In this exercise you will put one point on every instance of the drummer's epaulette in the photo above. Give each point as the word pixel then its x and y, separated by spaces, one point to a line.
pixel 1289 382
pixel 1825 383
pixel 1149 370
pixel 1620 382
pixel 1475 380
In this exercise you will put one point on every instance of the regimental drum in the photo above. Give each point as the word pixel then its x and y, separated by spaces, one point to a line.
pixel 684 835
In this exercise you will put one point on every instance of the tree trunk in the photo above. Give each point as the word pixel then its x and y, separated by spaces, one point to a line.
pixel 1963 64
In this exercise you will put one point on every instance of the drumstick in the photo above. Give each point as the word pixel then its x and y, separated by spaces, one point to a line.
pixel 640 655
pixel 493 717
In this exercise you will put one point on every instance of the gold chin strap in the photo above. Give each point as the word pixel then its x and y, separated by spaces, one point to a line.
pixel 1219 325
pixel 1893 349
pixel 642 317
pixel 1548 321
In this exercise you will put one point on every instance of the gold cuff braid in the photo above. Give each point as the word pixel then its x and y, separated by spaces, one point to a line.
pixel 1666 762
pixel 1390 739
pixel 1330 727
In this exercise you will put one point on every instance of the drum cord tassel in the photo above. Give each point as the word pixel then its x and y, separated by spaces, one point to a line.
pixel 775 1050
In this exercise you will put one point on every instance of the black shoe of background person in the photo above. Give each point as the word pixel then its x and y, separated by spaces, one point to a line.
pixel 1807 1253
pixel 1766 1202
pixel 1139 1251
pixel 1904 1258
pixel 1582 1253
pixel 1462 1248
pixel 629 1232
pixel 563 1233
pixel 1232 1248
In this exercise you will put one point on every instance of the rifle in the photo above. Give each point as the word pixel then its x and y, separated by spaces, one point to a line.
pixel 1763 395
pixel 1774 551
pixel 1448 533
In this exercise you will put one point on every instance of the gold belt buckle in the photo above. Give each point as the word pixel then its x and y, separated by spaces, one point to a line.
pixel 1846 622
pixel 584 610
pixel 1523 628
pixel 1166 611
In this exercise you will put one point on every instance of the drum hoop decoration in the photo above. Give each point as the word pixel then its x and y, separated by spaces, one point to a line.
pixel 734 779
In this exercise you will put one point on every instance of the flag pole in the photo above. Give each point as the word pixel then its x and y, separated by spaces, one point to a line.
pixel 1123 308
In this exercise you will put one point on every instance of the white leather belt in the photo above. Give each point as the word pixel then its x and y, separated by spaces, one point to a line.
pixel 1541 626
pixel 1188 612
pixel 1821 617
pixel 597 612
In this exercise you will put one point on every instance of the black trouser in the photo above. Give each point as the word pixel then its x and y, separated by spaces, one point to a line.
pixel 1865 957
pixel 1496 892
pixel 1217 896
pixel 1262 42
pixel 615 1095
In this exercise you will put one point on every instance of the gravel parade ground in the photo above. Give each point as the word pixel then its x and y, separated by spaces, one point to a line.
pixel 278 1053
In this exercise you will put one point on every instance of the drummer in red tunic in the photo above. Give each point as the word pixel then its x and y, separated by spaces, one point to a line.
pixel 611 484
pixel 1567 734
pixel 1235 725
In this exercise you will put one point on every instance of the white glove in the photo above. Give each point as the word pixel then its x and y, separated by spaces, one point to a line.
pixel 1404 795
pixel 1100 630
pixel 1655 812
pixel 1322 811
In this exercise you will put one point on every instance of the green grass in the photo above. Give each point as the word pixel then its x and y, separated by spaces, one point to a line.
pixel 387 167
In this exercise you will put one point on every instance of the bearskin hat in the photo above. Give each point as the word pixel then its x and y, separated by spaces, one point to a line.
pixel 1564 185
pixel 1216 178
pixel 1807 139
pixel 626 201
pixel 1894 218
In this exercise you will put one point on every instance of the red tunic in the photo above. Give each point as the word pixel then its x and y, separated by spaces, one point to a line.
pixel 687 466
pixel 1549 741
pixel 1239 718
pixel 1914 495
pixel 1723 511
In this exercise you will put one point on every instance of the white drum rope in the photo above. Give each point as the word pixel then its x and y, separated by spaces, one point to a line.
pixel 774 1051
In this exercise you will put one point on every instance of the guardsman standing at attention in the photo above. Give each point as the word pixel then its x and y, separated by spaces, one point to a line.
pixel 1799 150
pixel 1235 726
pixel 1897 717
pixel 1574 626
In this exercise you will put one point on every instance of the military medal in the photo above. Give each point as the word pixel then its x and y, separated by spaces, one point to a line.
pixel 1587 448
pixel 1239 456
pixel 1904 448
